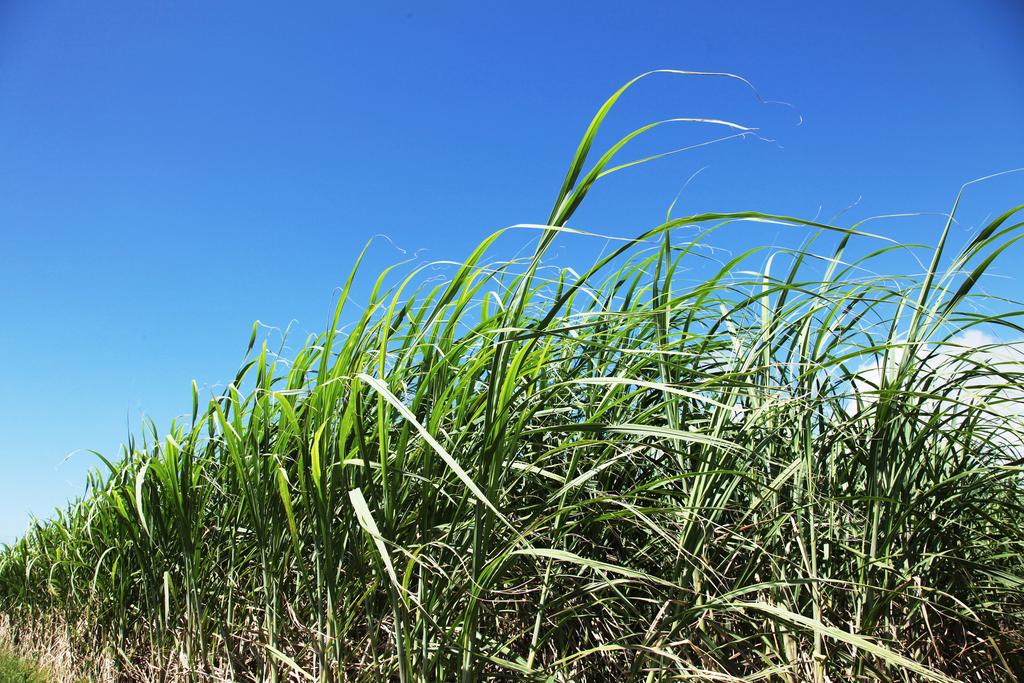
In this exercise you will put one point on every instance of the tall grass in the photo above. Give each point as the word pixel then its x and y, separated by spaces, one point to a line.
pixel 791 470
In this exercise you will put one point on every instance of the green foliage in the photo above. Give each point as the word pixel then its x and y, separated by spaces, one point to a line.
pixel 13 670
pixel 790 469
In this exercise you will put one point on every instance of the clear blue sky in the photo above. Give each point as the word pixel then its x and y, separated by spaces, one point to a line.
pixel 170 172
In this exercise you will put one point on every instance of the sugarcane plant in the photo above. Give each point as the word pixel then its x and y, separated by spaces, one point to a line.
pixel 797 467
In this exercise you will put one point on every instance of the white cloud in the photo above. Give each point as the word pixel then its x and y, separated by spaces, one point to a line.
pixel 972 369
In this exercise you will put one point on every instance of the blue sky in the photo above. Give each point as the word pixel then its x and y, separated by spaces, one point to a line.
pixel 171 172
